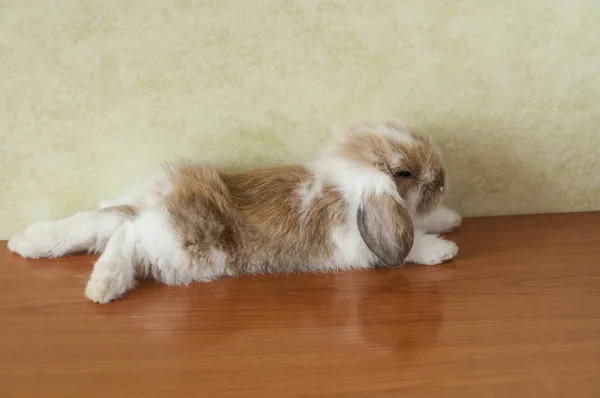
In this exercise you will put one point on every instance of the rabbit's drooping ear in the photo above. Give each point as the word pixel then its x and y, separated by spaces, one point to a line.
pixel 386 228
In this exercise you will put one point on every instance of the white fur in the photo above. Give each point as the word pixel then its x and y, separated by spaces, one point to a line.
pixel 148 246
pixel 440 220
pixel 430 249
pixel 350 250
pixel 114 272
pixel 355 182
pixel 85 231
pixel 309 190
pixel 158 248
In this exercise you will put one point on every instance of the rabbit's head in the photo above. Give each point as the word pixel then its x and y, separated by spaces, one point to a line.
pixel 386 157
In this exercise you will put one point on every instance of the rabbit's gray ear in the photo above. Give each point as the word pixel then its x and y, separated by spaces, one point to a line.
pixel 386 228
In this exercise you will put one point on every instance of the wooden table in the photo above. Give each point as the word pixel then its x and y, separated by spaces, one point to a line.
pixel 517 314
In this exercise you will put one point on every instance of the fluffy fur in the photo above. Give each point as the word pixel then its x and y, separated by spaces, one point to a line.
pixel 370 198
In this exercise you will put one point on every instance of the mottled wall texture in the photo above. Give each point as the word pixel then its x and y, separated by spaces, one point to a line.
pixel 96 94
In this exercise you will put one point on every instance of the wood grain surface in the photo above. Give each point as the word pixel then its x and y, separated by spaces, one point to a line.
pixel 517 314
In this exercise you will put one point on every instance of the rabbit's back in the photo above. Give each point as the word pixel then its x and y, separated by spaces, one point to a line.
pixel 272 219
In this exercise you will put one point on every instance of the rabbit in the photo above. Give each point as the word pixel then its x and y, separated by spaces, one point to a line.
pixel 372 197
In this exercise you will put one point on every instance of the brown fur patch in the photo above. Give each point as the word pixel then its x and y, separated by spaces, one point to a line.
pixel 254 217
pixel 368 149
pixel 128 210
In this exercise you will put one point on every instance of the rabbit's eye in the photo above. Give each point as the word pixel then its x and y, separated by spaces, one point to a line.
pixel 404 174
